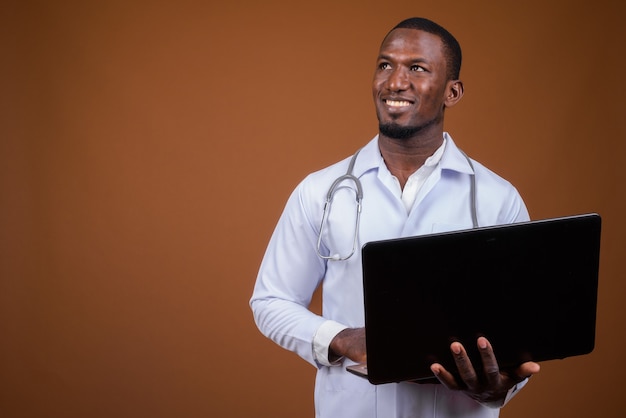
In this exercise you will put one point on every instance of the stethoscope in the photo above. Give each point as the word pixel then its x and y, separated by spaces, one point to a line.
pixel 349 176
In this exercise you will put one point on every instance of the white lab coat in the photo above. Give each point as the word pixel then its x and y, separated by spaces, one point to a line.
pixel 291 270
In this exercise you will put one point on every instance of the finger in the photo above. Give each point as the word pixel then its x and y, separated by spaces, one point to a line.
pixel 464 365
pixel 490 364
pixel 525 370
pixel 445 377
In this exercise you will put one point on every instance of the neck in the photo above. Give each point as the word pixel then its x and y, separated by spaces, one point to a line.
pixel 404 157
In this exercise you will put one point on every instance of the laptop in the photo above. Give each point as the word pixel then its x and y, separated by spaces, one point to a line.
pixel 530 288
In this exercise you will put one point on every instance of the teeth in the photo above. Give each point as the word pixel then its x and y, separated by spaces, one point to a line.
pixel 397 103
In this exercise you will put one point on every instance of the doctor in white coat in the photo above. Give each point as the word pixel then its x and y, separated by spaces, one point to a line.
pixel 414 180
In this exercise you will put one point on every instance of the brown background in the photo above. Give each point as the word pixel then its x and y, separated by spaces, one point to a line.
pixel 147 149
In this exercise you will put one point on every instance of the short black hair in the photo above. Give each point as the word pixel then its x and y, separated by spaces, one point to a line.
pixel 451 46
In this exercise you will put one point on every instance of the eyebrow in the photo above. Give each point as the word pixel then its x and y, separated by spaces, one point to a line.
pixel 413 60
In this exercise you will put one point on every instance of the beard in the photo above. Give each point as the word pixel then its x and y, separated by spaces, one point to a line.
pixel 395 131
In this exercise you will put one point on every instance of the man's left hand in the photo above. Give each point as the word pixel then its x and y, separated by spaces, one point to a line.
pixel 493 385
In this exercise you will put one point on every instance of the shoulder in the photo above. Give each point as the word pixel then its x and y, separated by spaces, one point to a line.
pixel 498 199
pixel 321 180
pixel 489 177
pixel 456 160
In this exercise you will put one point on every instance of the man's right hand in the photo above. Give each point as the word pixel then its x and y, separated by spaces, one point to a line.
pixel 349 343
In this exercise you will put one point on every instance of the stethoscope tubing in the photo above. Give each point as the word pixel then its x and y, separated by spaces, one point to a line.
pixel 349 176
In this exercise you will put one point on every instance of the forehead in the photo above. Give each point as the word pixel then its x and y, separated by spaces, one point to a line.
pixel 413 44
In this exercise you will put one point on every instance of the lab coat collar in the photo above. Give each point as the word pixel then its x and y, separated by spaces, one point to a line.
pixel 370 158
pixel 453 158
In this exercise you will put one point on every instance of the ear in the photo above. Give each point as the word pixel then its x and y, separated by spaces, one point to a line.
pixel 454 92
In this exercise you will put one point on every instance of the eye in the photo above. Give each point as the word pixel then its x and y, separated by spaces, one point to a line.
pixel 384 66
pixel 416 67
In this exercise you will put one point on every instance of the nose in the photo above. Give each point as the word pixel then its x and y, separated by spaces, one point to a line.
pixel 398 80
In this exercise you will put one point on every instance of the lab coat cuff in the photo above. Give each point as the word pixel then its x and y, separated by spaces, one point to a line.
pixel 510 394
pixel 321 342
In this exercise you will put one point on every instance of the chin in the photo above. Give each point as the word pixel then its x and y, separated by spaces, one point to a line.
pixel 395 131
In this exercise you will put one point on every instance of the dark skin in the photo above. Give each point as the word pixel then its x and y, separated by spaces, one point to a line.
pixel 411 91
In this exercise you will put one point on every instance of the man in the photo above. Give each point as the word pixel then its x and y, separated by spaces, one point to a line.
pixel 414 181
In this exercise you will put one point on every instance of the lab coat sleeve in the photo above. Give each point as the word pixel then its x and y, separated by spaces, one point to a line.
pixel 517 211
pixel 321 342
pixel 498 201
pixel 510 394
pixel 289 275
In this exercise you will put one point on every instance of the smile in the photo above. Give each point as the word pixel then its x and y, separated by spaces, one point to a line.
pixel 397 103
